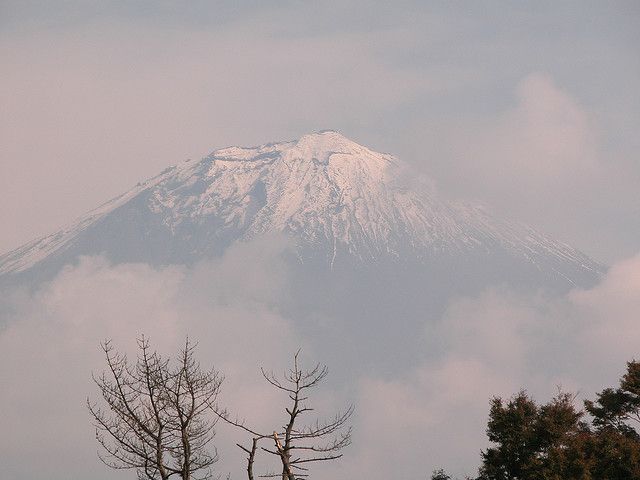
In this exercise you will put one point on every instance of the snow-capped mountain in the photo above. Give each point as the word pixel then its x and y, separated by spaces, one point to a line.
pixel 339 201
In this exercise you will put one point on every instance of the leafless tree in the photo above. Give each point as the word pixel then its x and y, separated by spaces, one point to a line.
pixel 156 418
pixel 294 445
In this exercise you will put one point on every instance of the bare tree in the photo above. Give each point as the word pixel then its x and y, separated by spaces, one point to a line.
pixel 157 415
pixel 297 446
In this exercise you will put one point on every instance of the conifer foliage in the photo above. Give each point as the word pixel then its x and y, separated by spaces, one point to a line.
pixel 615 443
pixel 555 440
pixel 534 441
pixel 559 441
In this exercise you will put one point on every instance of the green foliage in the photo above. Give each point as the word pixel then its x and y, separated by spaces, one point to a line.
pixel 613 456
pixel 552 441
pixel 533 441
pixel 614 446
pixel 619 409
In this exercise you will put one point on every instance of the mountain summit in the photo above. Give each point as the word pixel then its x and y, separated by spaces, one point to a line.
pixel 340 202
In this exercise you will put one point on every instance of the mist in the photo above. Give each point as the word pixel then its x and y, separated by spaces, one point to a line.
pixel 414 411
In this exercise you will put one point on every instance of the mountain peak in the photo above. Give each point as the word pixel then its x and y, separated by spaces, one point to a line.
pixel 321 145
pixel 338 200
pixel 327 144
pixel 327 137
pixel 321 148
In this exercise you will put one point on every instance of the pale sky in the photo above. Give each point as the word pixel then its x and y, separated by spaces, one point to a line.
pixel 533 109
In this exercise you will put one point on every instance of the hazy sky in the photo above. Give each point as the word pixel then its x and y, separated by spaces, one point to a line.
pixel 531 108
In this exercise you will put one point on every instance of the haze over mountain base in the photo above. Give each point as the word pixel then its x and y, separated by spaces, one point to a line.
pixel 423 385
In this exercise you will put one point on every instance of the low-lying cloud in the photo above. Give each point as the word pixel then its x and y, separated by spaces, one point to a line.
pixel 495 344
pixel 50 345
pixel 431 415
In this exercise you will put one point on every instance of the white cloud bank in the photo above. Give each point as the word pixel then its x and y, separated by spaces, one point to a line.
pixel 50 345
pixel 434 415
pixel 495 344
pixel 542 150
pixel 544 158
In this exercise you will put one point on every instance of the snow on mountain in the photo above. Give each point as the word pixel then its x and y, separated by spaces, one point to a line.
pixel 338 200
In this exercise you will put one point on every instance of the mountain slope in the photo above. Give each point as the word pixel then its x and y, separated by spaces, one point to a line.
pixel 340 202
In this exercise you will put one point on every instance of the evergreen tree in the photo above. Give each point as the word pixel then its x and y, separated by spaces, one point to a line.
pixel 532 441
pixel 614 447
pixel 440 474
pixel 552 441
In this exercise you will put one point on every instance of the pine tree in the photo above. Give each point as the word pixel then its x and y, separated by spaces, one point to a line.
pixel 534 442
pixel 614 448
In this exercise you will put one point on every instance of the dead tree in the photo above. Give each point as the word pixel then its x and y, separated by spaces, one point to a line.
pixel 294 445
pixel 156 414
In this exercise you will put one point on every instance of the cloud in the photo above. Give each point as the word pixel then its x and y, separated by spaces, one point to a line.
pixel 431 414
pixel 546 142
pixel 610 313
pixel 549 134
pixel 543 156
pixel 50 345
pixel 495 344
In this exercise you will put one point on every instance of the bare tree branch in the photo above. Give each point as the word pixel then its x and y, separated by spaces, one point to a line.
pixel 318 441
pixel 156 415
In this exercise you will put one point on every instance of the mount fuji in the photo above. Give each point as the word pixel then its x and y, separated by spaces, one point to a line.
pixel 343 206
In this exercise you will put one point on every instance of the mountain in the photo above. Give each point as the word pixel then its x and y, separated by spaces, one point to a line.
pixel 343 205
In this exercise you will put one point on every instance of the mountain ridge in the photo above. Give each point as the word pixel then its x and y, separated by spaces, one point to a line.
pixel 339 200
